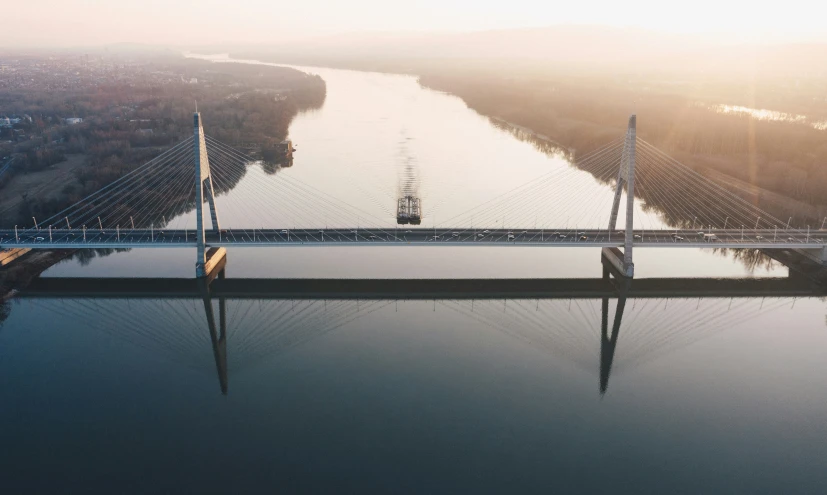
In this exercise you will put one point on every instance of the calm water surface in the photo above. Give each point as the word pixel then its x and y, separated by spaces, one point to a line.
pixel 710 395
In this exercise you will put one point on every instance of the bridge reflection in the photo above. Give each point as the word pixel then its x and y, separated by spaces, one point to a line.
pixel 218 336
pixel 301 310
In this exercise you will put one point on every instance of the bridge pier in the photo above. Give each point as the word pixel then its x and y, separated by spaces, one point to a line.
pixel 818 255
pixel 614 258
pixel 806 264
pixel 215 260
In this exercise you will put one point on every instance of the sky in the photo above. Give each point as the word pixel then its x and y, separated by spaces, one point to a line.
pixel 198 22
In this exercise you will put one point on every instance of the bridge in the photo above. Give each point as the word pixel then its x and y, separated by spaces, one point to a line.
pixel 696 211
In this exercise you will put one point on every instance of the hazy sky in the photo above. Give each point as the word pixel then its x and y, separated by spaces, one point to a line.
pixel 78 22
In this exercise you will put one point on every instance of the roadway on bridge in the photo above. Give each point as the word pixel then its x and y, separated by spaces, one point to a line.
pixel 145 238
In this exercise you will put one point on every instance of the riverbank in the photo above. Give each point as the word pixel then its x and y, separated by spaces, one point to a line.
pixel 781 158
pixel 680 113
pixel 44 184
pixel 121 125
pixel 784 207
pixel 22 270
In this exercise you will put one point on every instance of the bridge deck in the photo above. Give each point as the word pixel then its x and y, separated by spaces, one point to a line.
pixel 163 238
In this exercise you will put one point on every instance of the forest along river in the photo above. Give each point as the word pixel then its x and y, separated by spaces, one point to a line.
pixel 711 395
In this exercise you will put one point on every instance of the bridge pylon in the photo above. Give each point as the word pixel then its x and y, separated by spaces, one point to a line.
pixel 625 176
pixel 203 190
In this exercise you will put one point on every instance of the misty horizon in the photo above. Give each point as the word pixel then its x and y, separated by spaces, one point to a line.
pixel 81 23
pixel 416 38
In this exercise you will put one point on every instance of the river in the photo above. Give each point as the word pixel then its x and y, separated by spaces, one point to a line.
pixel 708 394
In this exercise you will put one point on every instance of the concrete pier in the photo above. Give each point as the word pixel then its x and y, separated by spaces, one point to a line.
pixel 806 263
pixel 817 255
pixel 614 257
pixel 216 260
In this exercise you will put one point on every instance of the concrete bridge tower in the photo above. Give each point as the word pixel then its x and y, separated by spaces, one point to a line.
pixel 626 176
pixel 203 190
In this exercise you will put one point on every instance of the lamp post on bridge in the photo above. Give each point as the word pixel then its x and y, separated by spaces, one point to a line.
pixel 35 224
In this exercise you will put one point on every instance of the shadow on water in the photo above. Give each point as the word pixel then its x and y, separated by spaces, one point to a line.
pixel 599 325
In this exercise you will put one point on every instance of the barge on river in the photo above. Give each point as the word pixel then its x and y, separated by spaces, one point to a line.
pixel 409 210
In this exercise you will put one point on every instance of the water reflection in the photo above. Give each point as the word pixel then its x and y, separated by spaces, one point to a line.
pixel 769 115
pixel 602 326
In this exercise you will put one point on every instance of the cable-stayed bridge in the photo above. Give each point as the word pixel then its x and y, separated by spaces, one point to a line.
pixel 690 210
